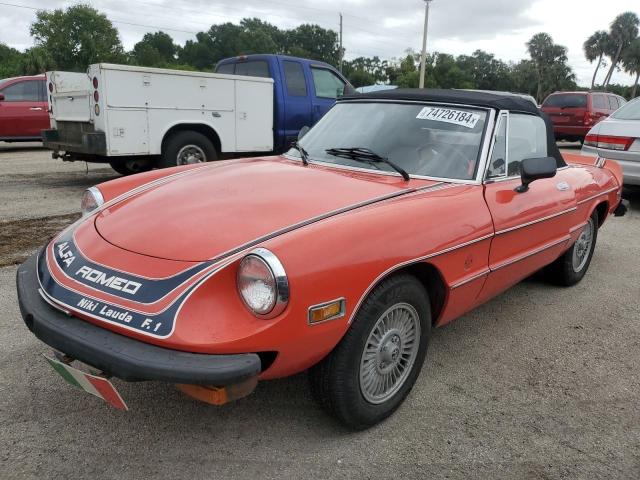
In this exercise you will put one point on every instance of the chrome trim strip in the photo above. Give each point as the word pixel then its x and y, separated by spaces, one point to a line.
pixel 530 254
pixel 588 199
pixel 533 222
pixel 340 314
pixel 50 302
pixel 281 281
pixel 577 227
pixel 470 279
pixel 409 262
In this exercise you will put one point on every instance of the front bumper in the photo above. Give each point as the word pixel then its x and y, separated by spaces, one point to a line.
pixel 121 356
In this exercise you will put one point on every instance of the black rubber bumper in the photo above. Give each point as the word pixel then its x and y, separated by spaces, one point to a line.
pixel 121 356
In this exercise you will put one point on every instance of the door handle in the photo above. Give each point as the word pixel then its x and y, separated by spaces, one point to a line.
pixel 36 108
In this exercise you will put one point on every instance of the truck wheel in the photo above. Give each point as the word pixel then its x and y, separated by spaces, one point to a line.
pixel 572 266
pixel 373 368
pixel 129 167
pixel 186 148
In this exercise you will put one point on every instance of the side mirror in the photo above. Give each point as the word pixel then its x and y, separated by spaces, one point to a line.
pixel 532 169
pixel 303 131
pixel 1 97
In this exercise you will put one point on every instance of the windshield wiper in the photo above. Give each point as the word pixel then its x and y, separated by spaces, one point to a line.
pixel 366 155
pixel 303 153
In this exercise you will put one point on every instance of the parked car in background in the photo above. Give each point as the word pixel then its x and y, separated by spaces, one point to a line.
pixel 574 113
pixel 23 109
pixel 398 212
pixel 137 118
pixel 618 138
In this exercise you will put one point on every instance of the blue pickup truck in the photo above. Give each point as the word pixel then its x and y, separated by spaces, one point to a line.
pixel 304 90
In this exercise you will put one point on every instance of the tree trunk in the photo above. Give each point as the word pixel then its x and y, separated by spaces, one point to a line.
pixel 593 80
pixel 614 62
pixel 635 86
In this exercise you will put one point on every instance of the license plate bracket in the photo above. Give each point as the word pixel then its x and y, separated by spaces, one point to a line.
pixel 95 385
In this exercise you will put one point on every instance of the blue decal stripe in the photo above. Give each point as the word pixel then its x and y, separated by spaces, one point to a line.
pixel 104 279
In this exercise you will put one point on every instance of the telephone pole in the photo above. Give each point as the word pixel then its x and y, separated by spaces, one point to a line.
pixel 423 57
pixel 341 51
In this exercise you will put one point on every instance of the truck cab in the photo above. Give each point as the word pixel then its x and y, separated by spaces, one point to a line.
pixel 304 90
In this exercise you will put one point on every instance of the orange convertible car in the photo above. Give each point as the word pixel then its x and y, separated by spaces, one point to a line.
pixel 396 213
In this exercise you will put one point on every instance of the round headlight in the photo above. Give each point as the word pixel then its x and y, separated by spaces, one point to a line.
pixel 263 284
pixel 91 199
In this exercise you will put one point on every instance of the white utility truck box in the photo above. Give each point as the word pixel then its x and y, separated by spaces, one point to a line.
pixel 126 111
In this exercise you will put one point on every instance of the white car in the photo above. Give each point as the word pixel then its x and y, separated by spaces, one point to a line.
pixel 618 138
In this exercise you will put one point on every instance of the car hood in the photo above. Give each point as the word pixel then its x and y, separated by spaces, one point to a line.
pixel 226 206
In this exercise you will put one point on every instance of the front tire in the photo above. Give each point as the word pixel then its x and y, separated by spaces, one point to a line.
pixel 572 266
pixel 371 371
pixel 186 148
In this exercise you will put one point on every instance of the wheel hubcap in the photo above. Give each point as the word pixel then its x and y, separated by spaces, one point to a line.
pixel 582 247
pixel 389 353
pixel 190 154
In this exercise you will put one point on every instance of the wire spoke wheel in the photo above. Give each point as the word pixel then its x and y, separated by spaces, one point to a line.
pixel 390 352
pixel 583 247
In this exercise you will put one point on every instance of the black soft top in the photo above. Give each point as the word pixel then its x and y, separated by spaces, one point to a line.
pixel 496 101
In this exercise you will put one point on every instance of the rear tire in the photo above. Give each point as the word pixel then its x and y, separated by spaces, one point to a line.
pixel 572 266
pixel 371 371
pixel 185 148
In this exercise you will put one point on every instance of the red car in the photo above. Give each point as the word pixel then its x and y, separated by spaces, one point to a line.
pixel 396 213
pixel 23 109
pixel 574 113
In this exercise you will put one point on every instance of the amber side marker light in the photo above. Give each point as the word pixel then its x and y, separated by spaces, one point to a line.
pixel 219 395
pixel 327 311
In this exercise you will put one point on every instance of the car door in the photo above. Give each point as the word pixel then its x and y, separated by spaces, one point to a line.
pixel 327 87
pixel 531 228
pixel 23 111
pixel 297 102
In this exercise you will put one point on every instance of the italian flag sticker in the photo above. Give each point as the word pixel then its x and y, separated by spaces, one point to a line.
pixel 93 384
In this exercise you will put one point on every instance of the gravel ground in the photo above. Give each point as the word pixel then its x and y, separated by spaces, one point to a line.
pixel 541 382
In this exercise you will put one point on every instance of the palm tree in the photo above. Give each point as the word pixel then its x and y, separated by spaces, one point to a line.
pixel 594 48
pixel 624 30
pixel 631 62
pixel 538 47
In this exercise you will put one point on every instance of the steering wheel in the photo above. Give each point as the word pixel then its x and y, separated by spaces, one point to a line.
pixel 446 161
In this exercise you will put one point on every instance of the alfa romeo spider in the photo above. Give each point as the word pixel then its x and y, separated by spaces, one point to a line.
pixel 396 213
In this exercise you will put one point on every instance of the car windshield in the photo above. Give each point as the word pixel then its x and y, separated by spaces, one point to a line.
pixel 566 100
pixel 4 80
pixel 442 141
pixel 630 111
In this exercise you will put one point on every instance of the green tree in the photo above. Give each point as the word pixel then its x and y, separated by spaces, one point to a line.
pixel 77 37
pixel 363 71
pixel 485 71
pixel 595 47
pixel 624 30
pixel 550 61
pixel 10 62
pixel 154 50
pixel 37 60
pixel 631 63
pixel 313 41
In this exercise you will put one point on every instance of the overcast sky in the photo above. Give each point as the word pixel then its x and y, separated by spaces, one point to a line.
pixel 371 27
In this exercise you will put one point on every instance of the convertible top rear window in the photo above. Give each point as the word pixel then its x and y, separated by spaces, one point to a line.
pixel 437 140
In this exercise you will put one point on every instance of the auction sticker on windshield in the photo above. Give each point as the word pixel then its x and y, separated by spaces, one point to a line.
pixel 449 115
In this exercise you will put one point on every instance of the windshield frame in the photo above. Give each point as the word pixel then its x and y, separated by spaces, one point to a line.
pixel 483 149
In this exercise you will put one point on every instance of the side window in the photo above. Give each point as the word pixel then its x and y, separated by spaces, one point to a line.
pixel 25 91
pixel 42 90
pixel 226 68
pixel 599 101
pixel 258 68
pixel 613 103
pixel 527 138
pixel 327 84
pixel 498 159
pixel 294 78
